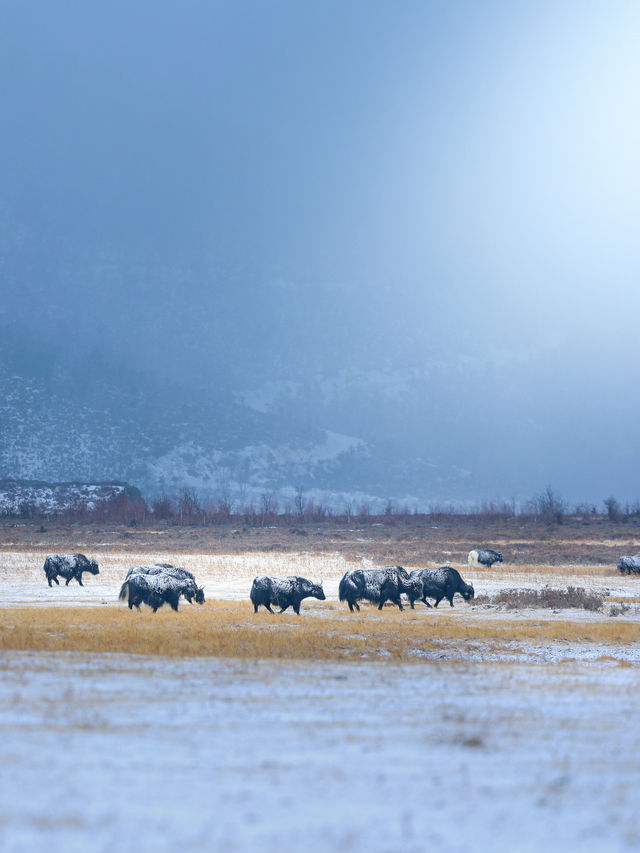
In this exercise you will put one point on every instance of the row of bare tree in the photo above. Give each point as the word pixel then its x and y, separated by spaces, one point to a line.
pixel 187 508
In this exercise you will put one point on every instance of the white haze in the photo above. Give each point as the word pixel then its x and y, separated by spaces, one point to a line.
pixel 220 195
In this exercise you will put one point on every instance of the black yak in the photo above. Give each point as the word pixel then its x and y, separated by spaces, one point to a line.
pixel 440 583
pixel 68 566
pixel 156 589
pixel 397 582
pixel 629 565
pixel 176 572
pixel 375 585
pixel 283 592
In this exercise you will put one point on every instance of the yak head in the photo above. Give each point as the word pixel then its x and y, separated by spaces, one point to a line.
pixel 310 590
pixel 317 591
pixel 499 557
pixel 93 567
pixel 191 591
pixel 468 592
pixel 200 595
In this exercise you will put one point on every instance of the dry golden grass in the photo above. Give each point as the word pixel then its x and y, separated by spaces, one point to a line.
pixel 230 629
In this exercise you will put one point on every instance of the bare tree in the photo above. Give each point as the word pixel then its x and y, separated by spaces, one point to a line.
pixel 299 503
pixel 612 507
pixel 225 501
pixel 189 508
pixel 549 507
pixel 268 507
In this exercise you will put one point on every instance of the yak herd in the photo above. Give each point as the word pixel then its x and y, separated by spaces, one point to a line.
pixel 163 583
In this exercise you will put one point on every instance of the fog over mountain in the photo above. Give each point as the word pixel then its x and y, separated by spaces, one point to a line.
pixel 360 248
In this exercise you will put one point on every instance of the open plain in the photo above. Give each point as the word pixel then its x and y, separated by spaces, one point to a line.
pixel 490 725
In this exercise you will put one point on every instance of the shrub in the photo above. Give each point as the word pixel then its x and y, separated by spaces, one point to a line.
pixel 555 599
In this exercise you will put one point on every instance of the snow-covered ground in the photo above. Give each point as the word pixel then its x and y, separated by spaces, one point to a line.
pixel 229 576
pixel 114 753
pixel 476 745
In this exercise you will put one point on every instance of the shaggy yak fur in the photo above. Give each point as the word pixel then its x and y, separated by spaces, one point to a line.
pixel 440 583
pixel 176 572
pixel 283 592
pixel 377 586
pixel 68 566
pixel 484 557
pixel 156 589
pixel 629 565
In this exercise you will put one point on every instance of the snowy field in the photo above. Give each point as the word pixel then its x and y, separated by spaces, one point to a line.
pixel 117 753
pixel 481 743
pixel 229 576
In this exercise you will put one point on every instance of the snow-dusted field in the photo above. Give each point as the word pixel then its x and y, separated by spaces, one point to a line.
pixel 114 753
pixel 224 576
pixel 477 745
pixel 229 576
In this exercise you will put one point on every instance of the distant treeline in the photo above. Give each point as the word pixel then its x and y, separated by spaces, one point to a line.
pixel 188 509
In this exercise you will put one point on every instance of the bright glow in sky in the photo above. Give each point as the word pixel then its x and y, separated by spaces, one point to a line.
pixel 279 187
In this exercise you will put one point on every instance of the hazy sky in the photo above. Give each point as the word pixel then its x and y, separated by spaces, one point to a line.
pixel 250 190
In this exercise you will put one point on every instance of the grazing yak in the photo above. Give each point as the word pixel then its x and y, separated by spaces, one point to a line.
pixel 397 582
pixel 283 592
pixel 155 589
pixel 176 572
pixel 629 565
pixel 440 583
pixel 484 557
pixel 376 586
pixel 68 566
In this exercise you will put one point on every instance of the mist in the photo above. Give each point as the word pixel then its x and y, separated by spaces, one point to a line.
pixel 416 224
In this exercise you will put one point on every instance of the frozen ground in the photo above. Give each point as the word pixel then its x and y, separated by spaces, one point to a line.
pixel 224 576
pixel 229 576
pixel 113 753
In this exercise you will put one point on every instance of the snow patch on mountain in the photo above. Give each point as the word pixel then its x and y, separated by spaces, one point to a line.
pixel 20 497
pixel 249 468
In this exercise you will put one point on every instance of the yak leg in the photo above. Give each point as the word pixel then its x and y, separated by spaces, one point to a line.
pixel 49 581
pixel 79 577
pixel 68 581
pixel 424 601
pixel 398 602
pixel 255 607
pixel 438 600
